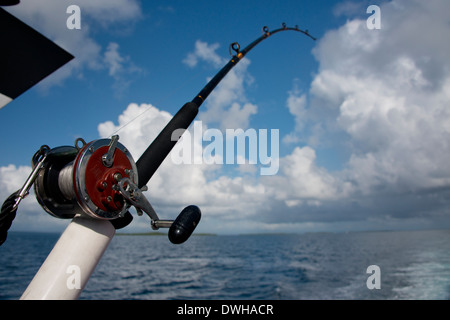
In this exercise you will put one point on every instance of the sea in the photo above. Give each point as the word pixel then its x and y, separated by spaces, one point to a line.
pixel 311 266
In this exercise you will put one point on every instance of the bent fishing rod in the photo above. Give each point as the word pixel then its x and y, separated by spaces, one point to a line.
pixel 155 154
pixel 100 180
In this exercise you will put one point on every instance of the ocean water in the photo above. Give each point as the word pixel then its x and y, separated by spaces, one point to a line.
pixel 413 265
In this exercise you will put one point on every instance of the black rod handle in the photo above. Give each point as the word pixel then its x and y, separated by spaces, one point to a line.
pixel 158 150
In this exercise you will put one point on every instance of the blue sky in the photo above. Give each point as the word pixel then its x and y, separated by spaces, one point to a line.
pixel 362 114
pixel 155 41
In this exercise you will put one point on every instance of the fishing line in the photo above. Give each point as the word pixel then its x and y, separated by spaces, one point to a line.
pixel 159 102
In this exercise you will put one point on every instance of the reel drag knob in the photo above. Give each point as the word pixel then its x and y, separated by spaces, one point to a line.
pixel 183 226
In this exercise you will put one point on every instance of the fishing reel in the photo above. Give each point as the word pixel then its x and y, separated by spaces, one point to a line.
pixel 100 180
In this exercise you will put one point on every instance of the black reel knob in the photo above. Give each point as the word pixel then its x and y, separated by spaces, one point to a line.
pixel 183 226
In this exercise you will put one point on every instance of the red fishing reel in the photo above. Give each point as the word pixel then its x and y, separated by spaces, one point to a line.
pixel 85 179
pixel 100 179
pixel 96 171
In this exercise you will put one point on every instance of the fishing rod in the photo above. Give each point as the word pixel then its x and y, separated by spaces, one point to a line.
pixel 155 154
pixel 96 183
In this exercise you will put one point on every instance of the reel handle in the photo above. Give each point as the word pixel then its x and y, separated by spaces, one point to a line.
pixel 183 226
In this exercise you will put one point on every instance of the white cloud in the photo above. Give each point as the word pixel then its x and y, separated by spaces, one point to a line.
pixel 113 59
pixel 349 8
pixel 12 179
pixel 29 216
pixel 120 68
pixel 296 104
pixel 108 12
pixel 395 116
pixel 385 91
pixel 206 52
pixel 238 116
pixel 304 179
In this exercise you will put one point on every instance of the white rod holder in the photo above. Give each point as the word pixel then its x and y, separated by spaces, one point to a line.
pixel 68 267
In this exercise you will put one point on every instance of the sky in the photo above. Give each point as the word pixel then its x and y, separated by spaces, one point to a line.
pixel 362 114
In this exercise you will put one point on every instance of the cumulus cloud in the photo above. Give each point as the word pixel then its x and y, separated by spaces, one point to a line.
pixel 349 8
pixel 113 59
pixel 206 52
pixel 385 91
pixel 120 68
pixel 30 216
pixel 390 101
pixel 12 179
pixel 305 179
pixel 296 104
pixel 49 17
